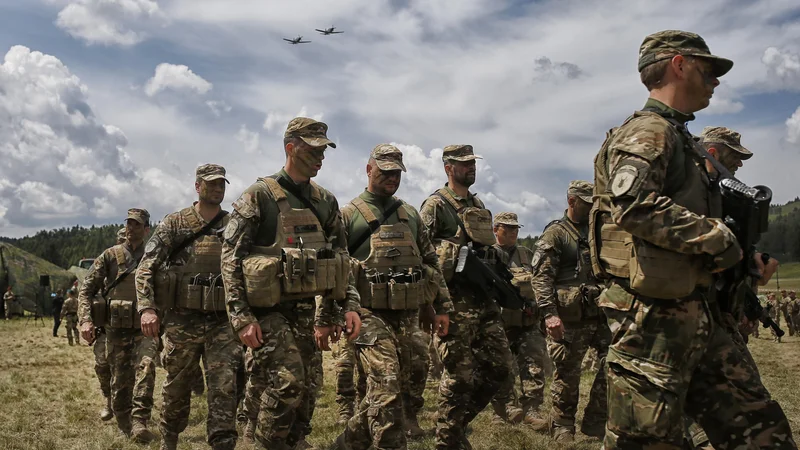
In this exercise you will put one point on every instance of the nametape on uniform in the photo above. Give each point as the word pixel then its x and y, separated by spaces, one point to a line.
pixel 391 235
pixel 311 228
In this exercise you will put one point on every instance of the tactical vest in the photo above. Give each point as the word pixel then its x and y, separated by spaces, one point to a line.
pixel 392 276
pixel 648 269
pixel 71 306
pixel 475 226
pixel 122 298
pixel 522 280
pixel 576 301
pixel 300 264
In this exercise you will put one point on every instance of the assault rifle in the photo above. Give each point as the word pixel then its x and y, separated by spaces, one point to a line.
pixel 746 212
pixel 494 282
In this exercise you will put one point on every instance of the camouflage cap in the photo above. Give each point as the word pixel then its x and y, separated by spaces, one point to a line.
pixel 388 157
pixel 507 218
pixel 310 131
pixel 121 233
pixel 211 172
pixel 582 189
pixel 459 152
pixel 728 137
pixel 668 43
pixel 139 215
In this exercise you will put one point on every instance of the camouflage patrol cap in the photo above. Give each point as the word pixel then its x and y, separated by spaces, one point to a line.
pixel 507 218
pixel 668 43
pixel 727 137
pixel 139 215
pixel 121 233
pixel 310 131
pixel 211 172
pixel 459 152
pixel 582 189
pixel 388 157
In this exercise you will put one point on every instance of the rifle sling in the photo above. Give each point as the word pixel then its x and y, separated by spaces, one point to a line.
pixel 373 225
pixel 458 218
pixel 293 189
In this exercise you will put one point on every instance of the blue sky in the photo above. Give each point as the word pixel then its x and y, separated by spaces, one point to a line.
pixel 111 104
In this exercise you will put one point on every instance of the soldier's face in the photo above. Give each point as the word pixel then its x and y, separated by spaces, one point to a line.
pixel 383 182
pixel 728 158
pixel 305 158
pixel 506 235
pixel 211 192
pixel 580 209
pixel 134 231
pixel 700 82
pixel 464 172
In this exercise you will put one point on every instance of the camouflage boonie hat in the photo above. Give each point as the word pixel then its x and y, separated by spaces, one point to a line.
pixel 582 189
pixel 668 43
pixel 139 215
pixel 310 131
pixel 388 157
pixel 211 172
pixel 508 219
pixel 727 137
pixel 459 152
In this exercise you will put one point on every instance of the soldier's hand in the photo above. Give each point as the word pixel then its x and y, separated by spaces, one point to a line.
pixel 426 318
pixel 87 332
pixel 352 325
pixel 250 335
pixel 322 337
pixel 441 324
pixel 150 323
pixel 747 327
pixel 555 329
pixel 766 270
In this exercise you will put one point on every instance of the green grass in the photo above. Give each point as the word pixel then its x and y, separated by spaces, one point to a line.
pixel 50 399
pixel 788 276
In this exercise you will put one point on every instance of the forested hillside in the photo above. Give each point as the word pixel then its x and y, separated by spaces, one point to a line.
pixel 64 247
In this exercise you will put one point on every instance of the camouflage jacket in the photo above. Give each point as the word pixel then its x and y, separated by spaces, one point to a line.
pixel 101 274
pixel 516 256
pixel 170 234
pixel 70 306
pixel 9 297
pixel 254 222
pixel 439 217
pixel 556 258
pixel 355 225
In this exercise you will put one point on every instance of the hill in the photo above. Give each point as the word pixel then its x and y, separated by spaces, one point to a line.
pixel 776 211
pixel 21 270
pixel 64 247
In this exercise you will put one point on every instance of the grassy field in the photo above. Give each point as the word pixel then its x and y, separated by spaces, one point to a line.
pixel 788 276
pixel 49 399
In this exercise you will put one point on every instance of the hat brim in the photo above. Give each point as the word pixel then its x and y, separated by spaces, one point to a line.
pixel 586 198
pixel 720 66
pixel 214 177
pixel 744 153
pixel 462 158
pixel 509 224
pixel 137 218
pixel 317 141
pixel 390 165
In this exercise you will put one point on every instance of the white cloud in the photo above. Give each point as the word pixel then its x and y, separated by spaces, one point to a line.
pixel 44 202
pixel 249 139
pixel 218 107
pixel 109 22
pixel 783 68
pixel 277 120
pixel 793 128
pixel 175 77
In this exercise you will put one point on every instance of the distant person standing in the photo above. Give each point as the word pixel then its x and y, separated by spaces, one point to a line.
pixel 9 298
pixel 58 302
pixel 70 311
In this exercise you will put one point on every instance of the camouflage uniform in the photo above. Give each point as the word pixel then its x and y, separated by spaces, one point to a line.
pixel 564 287
pixel 786 313
pixel 344 357
pixel 130 354
pixel 193 326
pixel 475 353
pixel 524 333
pixel 70 311
pixel 794 308
pixel 102 369
pixel 9 299
pixel 390 336
pixel 651 232
pixel 288 358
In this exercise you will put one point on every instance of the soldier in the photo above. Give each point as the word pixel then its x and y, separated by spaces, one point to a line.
pixel 9 298
pixel 523 330
pixel 58 303
pixel 130 353
pixel 179 279
pixel 288 224
pixel 653 237
pixel 786 311
pixel 69 311
pixel 566 294
pixel 794 308
pixel 475 353
pixel 398 276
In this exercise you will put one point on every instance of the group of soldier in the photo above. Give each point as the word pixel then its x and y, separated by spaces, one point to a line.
pixel 784 307
pixel 260 292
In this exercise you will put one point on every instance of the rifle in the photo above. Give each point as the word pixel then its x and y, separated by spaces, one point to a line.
pixel 494 282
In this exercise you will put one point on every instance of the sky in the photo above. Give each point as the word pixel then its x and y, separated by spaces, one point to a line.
pixel 111 104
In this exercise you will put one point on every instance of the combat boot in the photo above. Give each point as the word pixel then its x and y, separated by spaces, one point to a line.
pixel 537 422
pixel 249 434
pixel 563 435
pixel 169 441
pixel 303 445
pixel 412 428
pixel 124 425
pixel 593 429
pixel 345 413
pixel 140 434
pixel 107 413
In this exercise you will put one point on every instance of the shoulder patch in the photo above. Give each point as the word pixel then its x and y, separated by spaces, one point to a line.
pixel 151 245
pixel 627 177
pixel 537 259
pixel 231 229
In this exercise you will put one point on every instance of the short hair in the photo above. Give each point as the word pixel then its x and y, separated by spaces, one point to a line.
pixel 652 76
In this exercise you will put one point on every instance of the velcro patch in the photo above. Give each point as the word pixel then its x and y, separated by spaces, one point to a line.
pixel 627 178
pixel 391 235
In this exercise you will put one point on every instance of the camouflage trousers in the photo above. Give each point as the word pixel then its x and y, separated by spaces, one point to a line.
pixel 529 350
pixel 72 328
pixel 669 358
pixel 789 324
pixel 567 356
pixel 9 306
pixel 385 349
pixel 133 373
pixel 344 357
pixel 284 372
pixel 188 335
pixel 477 360
pixel 101 366
pixel 435 367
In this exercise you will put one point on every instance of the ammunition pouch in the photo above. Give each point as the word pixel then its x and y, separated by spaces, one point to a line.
pixel 201 292
pixel 396 291
pixel 659 273
pixel 99 311
pixel 123 314
pixel 165 287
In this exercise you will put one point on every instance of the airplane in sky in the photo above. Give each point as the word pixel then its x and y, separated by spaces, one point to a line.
pixel 328 31
pixel 297 40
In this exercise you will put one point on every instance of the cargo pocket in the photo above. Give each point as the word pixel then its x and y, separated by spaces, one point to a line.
pixel 398 293
pixel 165 284
pixel 640 408
pixel 570 304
